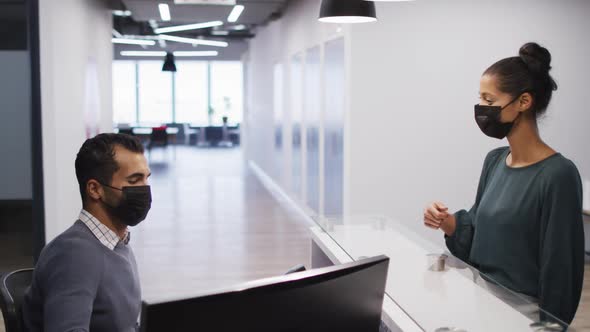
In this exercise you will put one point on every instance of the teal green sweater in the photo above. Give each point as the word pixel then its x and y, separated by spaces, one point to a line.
pixel 525 230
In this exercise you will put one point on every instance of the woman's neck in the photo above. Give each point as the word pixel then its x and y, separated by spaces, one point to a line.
pixel 526 145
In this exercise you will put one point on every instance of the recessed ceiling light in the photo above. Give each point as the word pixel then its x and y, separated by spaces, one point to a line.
pixel 239 27
pixel 122 13
pixel 188 27
pixel 164 11
pixel 235 13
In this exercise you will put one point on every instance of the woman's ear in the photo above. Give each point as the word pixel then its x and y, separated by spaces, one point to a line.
pixel 525 102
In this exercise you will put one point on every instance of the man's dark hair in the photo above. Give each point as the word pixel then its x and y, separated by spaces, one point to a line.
pixel 96 158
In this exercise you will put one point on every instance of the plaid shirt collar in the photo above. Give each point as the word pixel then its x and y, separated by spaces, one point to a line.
pixel 106 236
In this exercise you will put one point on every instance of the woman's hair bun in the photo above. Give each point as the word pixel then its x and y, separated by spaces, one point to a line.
pixel 536 57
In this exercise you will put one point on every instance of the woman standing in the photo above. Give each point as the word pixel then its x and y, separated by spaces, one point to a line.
pixel 525 230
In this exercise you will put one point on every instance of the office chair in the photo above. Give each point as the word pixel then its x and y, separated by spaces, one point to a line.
pixel 12 291
pixel 191 135
pixel 234 134
pixel 158 138
pixel 180 136
pixel 213 135
pixel 128 131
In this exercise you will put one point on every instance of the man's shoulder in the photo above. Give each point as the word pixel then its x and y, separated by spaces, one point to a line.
pixel 75 244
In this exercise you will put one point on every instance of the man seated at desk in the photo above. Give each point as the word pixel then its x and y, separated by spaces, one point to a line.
pixel 86 279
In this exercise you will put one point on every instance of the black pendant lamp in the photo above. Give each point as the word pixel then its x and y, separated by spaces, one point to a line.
pixel 347 11
pixel 169 64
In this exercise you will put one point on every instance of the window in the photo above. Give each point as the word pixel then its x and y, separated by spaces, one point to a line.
pixel 124 102
pixel 191 92
pixel 226 91
pixel 143 94
pixel 155 93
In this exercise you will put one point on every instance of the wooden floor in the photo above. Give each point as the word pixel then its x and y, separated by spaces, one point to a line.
pixel 212 225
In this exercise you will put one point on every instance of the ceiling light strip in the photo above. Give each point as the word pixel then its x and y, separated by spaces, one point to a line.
pixel 143 53
pixel 128 41
pixel 188 27
pixel 194 41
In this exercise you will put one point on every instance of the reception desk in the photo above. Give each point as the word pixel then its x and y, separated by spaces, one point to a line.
pixel 420 296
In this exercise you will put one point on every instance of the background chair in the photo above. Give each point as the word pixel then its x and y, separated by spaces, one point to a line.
pixel 234 134
pixel 12 291
pixel 181 136
pixel 191 135
pixel 213 135
pixel 128 131
pixel 158 138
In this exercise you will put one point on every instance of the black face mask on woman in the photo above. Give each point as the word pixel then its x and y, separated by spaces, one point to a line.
pixel 488 119
pixel 134 205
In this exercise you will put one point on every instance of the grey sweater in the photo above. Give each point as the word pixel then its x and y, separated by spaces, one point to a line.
pixel 81 285
pixel 525 231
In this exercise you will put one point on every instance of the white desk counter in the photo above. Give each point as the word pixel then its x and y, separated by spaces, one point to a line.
pixel 417 297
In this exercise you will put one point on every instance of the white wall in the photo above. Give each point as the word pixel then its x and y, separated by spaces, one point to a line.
pixel 74 35
pixel 415 78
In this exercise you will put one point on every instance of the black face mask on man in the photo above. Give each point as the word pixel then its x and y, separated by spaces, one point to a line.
pixel 134 205
pixel 488 119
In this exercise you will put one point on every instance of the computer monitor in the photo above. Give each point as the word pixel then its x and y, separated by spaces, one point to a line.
pixel 347 297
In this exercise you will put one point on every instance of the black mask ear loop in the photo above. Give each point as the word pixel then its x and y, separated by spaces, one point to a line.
pixel 513 100
pixel 106 185
pixel 105 203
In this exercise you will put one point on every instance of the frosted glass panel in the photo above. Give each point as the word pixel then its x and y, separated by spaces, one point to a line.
pixel 278 120
pixel 334 73
pixel 312 112
pixel 296 97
